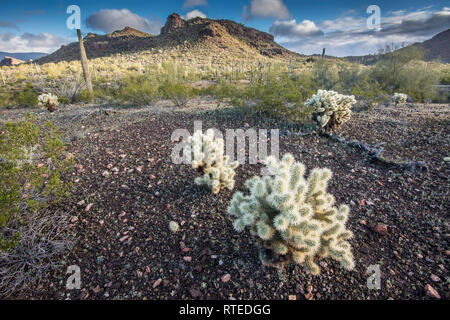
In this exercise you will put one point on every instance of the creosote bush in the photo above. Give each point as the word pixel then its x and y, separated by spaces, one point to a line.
pixel 331 109
pixel 32 162
pixel 206 154
pixel 293 218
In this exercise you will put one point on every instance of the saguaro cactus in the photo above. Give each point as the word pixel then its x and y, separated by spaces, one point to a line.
pixel 206 154
pixel 84 62
pixel 293 218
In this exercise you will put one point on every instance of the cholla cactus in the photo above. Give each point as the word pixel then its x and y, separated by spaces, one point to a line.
pixel 206 154
pixel 292 218
pixel 399 98
pixel 49 101
pixel 331 109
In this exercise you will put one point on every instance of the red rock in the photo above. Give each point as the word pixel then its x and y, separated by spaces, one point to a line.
pixel 187 259
pixel 226 278
pixel 435 278
pixel 292 297
pixel 157 283
pixel 363 222
pixel 96 289
pixel 381 229
pixel 74 219
pixel 89 206
pixel 123 238
pixel 431 292
pixel 173 22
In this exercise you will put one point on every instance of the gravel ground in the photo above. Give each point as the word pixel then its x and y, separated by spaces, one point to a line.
pixel 127 190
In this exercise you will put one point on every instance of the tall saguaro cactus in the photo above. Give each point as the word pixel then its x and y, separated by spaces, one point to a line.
pixel 84 63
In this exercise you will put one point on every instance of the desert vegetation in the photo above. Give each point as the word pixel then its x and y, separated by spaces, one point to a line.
pixel 87 177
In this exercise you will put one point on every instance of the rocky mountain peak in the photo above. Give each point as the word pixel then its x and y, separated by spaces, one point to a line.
pixel 173 22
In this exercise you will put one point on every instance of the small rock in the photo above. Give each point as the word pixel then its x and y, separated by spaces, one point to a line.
pixel 226 278
pixel 157 283
pixel 381 229
pixel 88 207
pixel 81 203
pixel 96 289
pixel 435 278
pixel 74 219
pixel 195 293
pixel 431 292
pixel 187 259
pixel 292 297
pixel 363 222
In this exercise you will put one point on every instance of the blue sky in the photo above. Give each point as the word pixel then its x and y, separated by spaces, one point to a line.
pixel 300 25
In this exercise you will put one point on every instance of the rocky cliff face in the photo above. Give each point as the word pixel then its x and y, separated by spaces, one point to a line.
pixel 10 61
pixel 173 22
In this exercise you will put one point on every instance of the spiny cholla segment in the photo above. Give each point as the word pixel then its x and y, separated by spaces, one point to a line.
pixel 331 109
pixel 48 99
pixel 399 98
pixel 294 217
pixel 206 154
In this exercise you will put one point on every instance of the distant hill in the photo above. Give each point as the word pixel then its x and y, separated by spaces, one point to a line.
pixel 211 36
pixel 438 47
pixel 25 56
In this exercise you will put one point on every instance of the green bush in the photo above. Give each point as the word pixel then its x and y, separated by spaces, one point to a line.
pixel 32 160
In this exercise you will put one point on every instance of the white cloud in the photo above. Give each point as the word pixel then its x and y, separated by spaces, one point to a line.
pixel 108 20
pixel 193 14
pixel 290 29
pixel 194 3
pixel 266 9
pixel 349 35
pixel 28 42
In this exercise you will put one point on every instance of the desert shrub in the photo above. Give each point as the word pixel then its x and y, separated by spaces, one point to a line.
pixel 48 101
pixel 293 218
pixel 331 109
pixel 32 162
pixel 206 154
pixel 419 81
pixel 140 90
pixel 178 92
pixel 26 97
pixel 325 74
pixel 394 60
pixel 276 95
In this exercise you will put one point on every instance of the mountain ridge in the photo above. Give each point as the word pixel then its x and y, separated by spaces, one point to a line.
pixel 177 32
pixel 437 47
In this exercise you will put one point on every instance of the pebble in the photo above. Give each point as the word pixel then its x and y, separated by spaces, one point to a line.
pixel 431 292
pixel 381 229
pixel 187 259
pixel 88 207
pixel 226 278
pixel 157 283
pixel 435 278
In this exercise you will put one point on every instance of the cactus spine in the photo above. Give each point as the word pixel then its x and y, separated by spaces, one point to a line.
pixel 293 218
pixel 206 154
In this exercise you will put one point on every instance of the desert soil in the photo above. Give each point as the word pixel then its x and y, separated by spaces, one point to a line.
pixel 127 190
